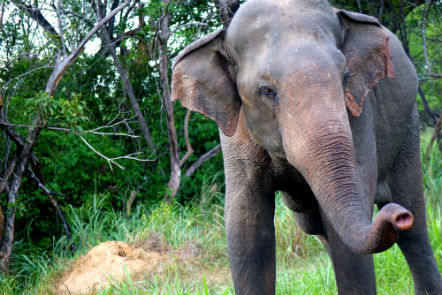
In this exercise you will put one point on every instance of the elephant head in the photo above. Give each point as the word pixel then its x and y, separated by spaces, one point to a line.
pixel 294 67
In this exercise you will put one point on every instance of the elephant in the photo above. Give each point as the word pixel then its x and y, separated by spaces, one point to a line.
pixel 320 104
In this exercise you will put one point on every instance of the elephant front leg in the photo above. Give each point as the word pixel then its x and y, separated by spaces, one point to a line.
pixel 251 241
pixel 354 273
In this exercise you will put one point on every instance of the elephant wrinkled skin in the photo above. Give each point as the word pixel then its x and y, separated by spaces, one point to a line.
pixel 317 103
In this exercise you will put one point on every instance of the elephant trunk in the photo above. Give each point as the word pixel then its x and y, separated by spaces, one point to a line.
pixel 321 148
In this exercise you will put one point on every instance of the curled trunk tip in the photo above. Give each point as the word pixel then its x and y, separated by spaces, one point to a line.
pixel 389 222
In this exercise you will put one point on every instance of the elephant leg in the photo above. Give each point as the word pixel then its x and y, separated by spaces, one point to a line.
pixel 251 241
pixel 249 213
pixel 416 248
pixel 415 243
pixel 354 273
pixel 405 182
pixel 306 213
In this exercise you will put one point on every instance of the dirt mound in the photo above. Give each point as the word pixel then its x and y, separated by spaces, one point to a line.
pixel 109 260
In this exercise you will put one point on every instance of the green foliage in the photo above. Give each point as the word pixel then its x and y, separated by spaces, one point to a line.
pixel 432 87
pixel 432 168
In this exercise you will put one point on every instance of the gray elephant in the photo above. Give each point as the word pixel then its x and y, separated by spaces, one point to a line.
pixel 319 104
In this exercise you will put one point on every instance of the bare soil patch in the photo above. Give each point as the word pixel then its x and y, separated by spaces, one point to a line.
pixel 110 260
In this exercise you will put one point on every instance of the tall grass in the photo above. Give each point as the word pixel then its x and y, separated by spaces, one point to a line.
pixel 194 237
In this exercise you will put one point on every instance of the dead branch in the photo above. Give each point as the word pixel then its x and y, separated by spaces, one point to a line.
pixel 109 161
pixel 133 194
pixel 71 131
pixel 130 157
pixel 24 74
pixel 8 174
pixel 227 9
pixel 186 137
pixel 79 134
pixel 433 75
pixel 190 24
pixel 207 156
pixel 60 28
pixel 426 105
pixel 433 138
pixel 55 204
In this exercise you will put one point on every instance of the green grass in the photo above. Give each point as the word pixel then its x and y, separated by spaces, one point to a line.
pixel 194 237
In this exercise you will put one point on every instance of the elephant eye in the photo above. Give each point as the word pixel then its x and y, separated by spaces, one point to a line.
pixel 267 92
pixel 346 77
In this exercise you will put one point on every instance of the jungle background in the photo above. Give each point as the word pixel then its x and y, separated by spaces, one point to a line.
pixel 92 149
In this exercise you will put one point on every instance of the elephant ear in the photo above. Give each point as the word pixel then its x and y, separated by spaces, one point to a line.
pixel 203 81
pixel 365 46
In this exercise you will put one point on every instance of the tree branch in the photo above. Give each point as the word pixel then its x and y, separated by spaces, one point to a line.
pixel 186 137
pixel 433 138
pixel 106 39
pixel 19 142
pixel 60 28
pixel 25 74
pixel 2 11
pixel 3 124
pixel 424 33
pixel 36 15
pixel 8 174
pixel 207 156
pixel 62 65
pixel 55 204
pixel 109 161
pixel 227 9
pixel 80 16
pixel 426 105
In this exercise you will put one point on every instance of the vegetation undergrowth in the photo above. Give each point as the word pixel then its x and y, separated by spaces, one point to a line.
pixel 193 235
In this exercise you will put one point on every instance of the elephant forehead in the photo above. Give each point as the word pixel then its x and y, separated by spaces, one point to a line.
pixel 311 63
pixel 262 23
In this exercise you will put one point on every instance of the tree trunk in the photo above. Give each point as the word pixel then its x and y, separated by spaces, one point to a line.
pixel 175 168
pixel 22 162
pixel 433 138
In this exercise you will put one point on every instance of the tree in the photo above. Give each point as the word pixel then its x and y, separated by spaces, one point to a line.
pixel 23 153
